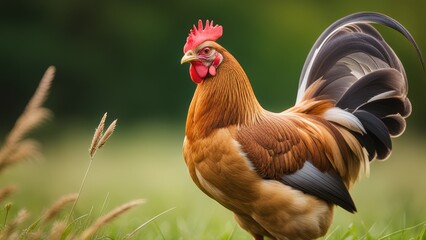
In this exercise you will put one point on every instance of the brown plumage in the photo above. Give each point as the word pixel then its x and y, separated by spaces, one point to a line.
pixel 282 173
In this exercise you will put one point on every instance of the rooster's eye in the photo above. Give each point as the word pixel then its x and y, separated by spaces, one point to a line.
pixel 206 51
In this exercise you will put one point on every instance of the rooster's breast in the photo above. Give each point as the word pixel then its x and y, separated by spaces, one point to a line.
pixel 220 169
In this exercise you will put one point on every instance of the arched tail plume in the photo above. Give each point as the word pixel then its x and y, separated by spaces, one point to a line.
pixel 352 66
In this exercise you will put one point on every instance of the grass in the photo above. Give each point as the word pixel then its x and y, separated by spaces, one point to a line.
pixel 145 161
pixel 18 147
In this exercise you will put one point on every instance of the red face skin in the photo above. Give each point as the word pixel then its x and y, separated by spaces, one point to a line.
pixel 208 61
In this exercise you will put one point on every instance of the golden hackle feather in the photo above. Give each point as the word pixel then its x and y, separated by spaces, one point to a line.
pixel 218 104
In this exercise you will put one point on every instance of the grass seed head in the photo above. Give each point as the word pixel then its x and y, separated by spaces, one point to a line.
pixel 109 217
pixel 6 192
pixel 58 206
pixel 15 147
pixel 58 229
pixel 10 231
pixel 97 136
pixel 107 134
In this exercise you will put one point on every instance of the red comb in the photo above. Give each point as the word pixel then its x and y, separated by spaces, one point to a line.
pixel 197 36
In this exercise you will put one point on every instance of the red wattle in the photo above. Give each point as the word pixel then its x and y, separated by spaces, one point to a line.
pixel 201 69
pixel 194 76
pixel 198 71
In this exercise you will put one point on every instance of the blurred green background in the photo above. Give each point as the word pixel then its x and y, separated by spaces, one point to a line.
pixel 123 57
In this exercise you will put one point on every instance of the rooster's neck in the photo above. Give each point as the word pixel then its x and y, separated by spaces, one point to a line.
pixel 223 100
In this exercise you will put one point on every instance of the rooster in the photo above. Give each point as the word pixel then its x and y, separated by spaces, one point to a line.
pixel 281 174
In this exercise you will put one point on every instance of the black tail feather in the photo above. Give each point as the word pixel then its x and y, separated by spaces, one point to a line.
pixel 361 73
pixel 377 131
pixel 372 85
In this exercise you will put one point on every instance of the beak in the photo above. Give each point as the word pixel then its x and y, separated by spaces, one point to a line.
pixel 188 57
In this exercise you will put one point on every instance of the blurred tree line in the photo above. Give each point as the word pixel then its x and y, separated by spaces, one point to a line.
pixel 124 56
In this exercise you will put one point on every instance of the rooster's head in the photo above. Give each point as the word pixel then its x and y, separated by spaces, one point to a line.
pixel 202 52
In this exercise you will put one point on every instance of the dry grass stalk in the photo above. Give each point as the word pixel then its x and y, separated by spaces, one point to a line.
pixel 10 230
pixel 40 94
pixel 97 137
pixel 15 148
pixel 11 236
pixel 58 206
pixel 36 235
pixel 29 119
pixel 6 192
pixel 109 216
pixel 57 230
pixel 25 149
